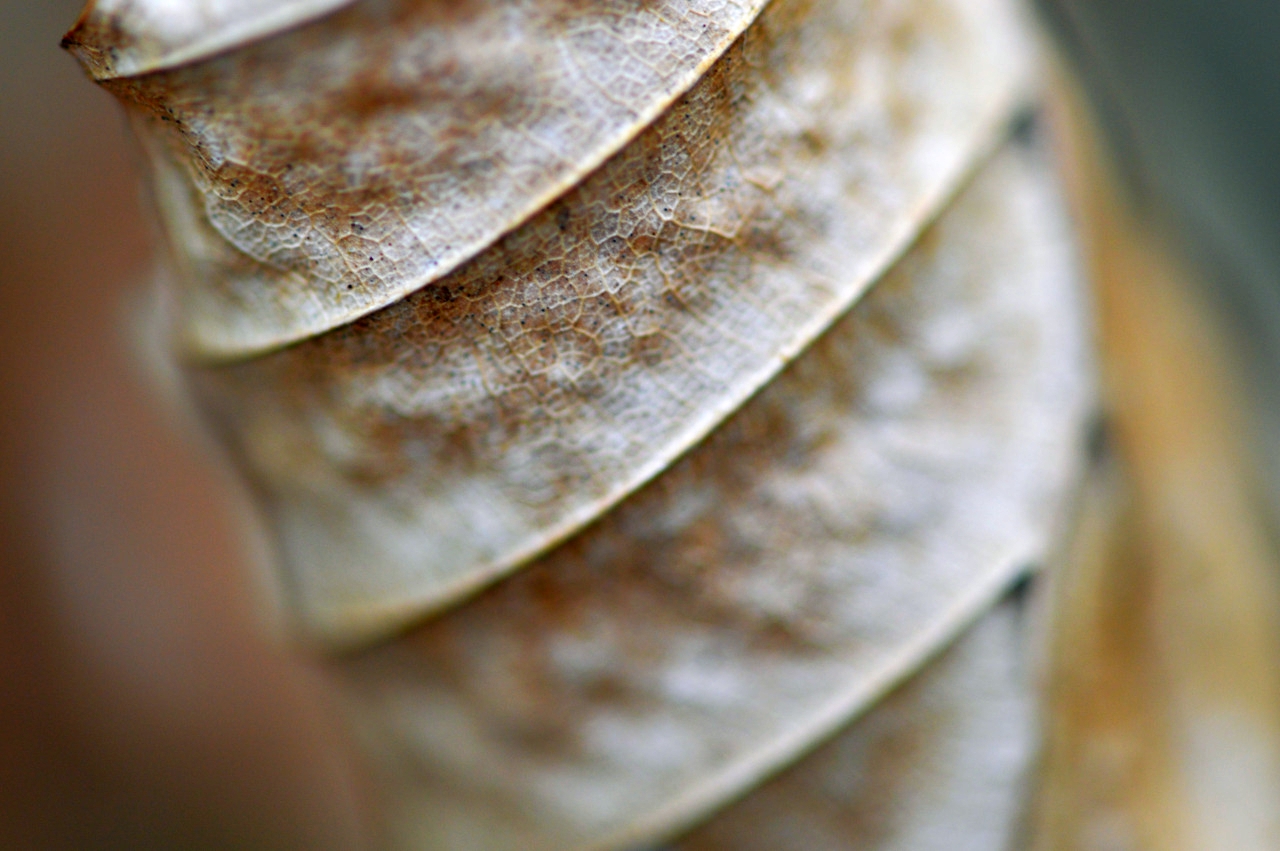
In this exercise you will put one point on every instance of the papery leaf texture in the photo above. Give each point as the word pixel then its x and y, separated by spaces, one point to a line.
pixel 443 441
pixel 861 510
pixel 652 402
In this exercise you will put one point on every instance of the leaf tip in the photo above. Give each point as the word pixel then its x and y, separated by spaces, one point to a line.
pixel 127 38
pixel 82 41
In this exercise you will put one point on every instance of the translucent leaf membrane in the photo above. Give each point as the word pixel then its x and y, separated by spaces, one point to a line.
pixel 313 177
pixel 863 509
pixel 413 456
pixel 941 764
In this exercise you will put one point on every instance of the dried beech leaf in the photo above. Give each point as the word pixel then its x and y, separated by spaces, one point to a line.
pixel 447 438
pixel 864 508
pixel 938 765
pixel 311 178
pixel 459 282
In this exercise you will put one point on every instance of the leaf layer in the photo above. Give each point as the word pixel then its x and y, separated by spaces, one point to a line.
pixel 940 764
pixel 417 454
pixel 865 507
pixel 316 176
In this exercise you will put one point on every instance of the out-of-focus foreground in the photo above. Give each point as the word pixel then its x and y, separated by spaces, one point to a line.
pixel 143 705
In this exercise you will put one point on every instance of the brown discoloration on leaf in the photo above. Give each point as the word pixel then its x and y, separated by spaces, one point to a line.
pixel 938 765
pixel 340 166
pixel 445 439
pixel 462 281
pixel 865 506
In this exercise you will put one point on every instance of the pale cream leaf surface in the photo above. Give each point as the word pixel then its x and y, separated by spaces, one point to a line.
pixel 653 388
pixel 416 455
pixel 312 177
pixel 857 514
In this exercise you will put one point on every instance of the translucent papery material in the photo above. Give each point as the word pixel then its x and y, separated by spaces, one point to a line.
pixel 858 513
pixel 414 456
pixel 312 177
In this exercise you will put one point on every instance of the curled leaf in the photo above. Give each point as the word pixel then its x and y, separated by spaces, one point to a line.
pixel 864 508
pixel 744 330
pixel 455 434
